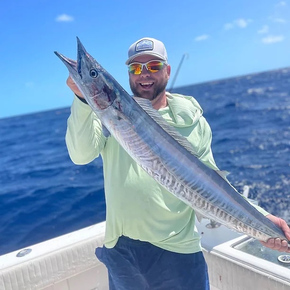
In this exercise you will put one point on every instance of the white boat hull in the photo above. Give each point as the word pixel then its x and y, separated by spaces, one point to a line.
pixel 69 263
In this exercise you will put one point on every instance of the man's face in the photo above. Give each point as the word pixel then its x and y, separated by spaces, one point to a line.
pixel 149 85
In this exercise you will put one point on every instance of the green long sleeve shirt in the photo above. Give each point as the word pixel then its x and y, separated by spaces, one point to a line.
pixel 136 205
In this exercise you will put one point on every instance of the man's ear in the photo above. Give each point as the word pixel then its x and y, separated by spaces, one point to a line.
pixel 168 68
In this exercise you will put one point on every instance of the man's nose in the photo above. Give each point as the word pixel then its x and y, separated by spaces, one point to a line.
pixel 145 71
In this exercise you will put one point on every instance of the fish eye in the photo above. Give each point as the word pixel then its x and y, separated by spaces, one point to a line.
pixel 93 73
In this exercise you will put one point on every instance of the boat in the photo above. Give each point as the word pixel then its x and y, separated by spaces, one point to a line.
pixel 68 262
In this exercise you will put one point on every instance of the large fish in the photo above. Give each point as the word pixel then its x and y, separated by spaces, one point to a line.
pixel 162 152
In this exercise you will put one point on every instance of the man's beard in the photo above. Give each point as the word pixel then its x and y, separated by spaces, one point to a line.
pixel 159 88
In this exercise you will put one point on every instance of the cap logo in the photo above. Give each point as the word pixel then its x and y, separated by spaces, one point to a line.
pixel 144 44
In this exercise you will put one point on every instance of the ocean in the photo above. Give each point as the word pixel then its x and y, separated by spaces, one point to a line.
pixel 44 195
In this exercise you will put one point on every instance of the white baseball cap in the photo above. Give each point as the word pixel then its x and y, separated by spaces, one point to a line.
pixel 147 46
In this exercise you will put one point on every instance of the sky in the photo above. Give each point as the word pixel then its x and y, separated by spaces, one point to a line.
pixel 220 39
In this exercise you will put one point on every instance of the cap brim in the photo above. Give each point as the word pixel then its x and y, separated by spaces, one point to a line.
pixel 158 56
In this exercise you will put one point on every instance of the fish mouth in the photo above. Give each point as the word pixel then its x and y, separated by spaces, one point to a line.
pixel 69 63
pixel 74 67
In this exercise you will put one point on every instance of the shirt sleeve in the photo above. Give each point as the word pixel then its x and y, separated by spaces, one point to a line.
pixel 84 137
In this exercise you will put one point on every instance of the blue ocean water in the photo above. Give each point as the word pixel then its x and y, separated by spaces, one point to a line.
pixel 44 195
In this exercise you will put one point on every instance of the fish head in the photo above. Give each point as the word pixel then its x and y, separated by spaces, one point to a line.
pixel 96 85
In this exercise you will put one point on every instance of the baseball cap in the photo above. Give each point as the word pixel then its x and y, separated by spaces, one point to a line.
pixel 147 46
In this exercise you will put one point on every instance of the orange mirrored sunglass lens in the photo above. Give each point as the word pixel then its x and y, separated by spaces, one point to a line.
pixel 152 66
pixel 135 68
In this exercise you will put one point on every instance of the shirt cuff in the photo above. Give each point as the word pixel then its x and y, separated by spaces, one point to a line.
pixel 81 99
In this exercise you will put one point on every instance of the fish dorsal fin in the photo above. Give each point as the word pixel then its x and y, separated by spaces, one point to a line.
pixel 223 173
pixel 147 107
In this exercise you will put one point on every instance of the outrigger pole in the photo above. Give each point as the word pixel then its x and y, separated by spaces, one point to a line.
pixel 177 71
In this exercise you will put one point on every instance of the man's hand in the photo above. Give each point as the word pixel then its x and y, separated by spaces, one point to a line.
pixel 278 244
pixel 74 87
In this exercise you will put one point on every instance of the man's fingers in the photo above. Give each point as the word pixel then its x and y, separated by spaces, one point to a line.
pixel 73 87
pixel 277 244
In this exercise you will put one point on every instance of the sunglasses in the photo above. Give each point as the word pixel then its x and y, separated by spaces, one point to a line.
pixel 153 66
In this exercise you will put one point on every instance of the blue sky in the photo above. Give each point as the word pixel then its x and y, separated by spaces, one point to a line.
pixel 222 39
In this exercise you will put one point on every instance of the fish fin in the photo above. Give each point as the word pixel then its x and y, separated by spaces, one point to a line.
pixel 147 107
pixel 199 216
pixel 223 174
pixel 106 132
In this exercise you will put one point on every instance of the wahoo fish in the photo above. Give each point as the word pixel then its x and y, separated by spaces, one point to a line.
pixel 162 152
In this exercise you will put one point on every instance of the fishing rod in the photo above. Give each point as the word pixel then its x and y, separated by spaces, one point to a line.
pixel 177 71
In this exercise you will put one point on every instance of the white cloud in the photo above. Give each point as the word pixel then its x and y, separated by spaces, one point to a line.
pixel 228 26
pixel 282 3
pixel 202 37
pixel 64 18
pixel 29 85
pixel 279 20
pixel 240 23
pixel 264 29
pixel 273 39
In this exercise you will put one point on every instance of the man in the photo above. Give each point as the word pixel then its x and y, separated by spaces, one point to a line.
pixel 151 241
